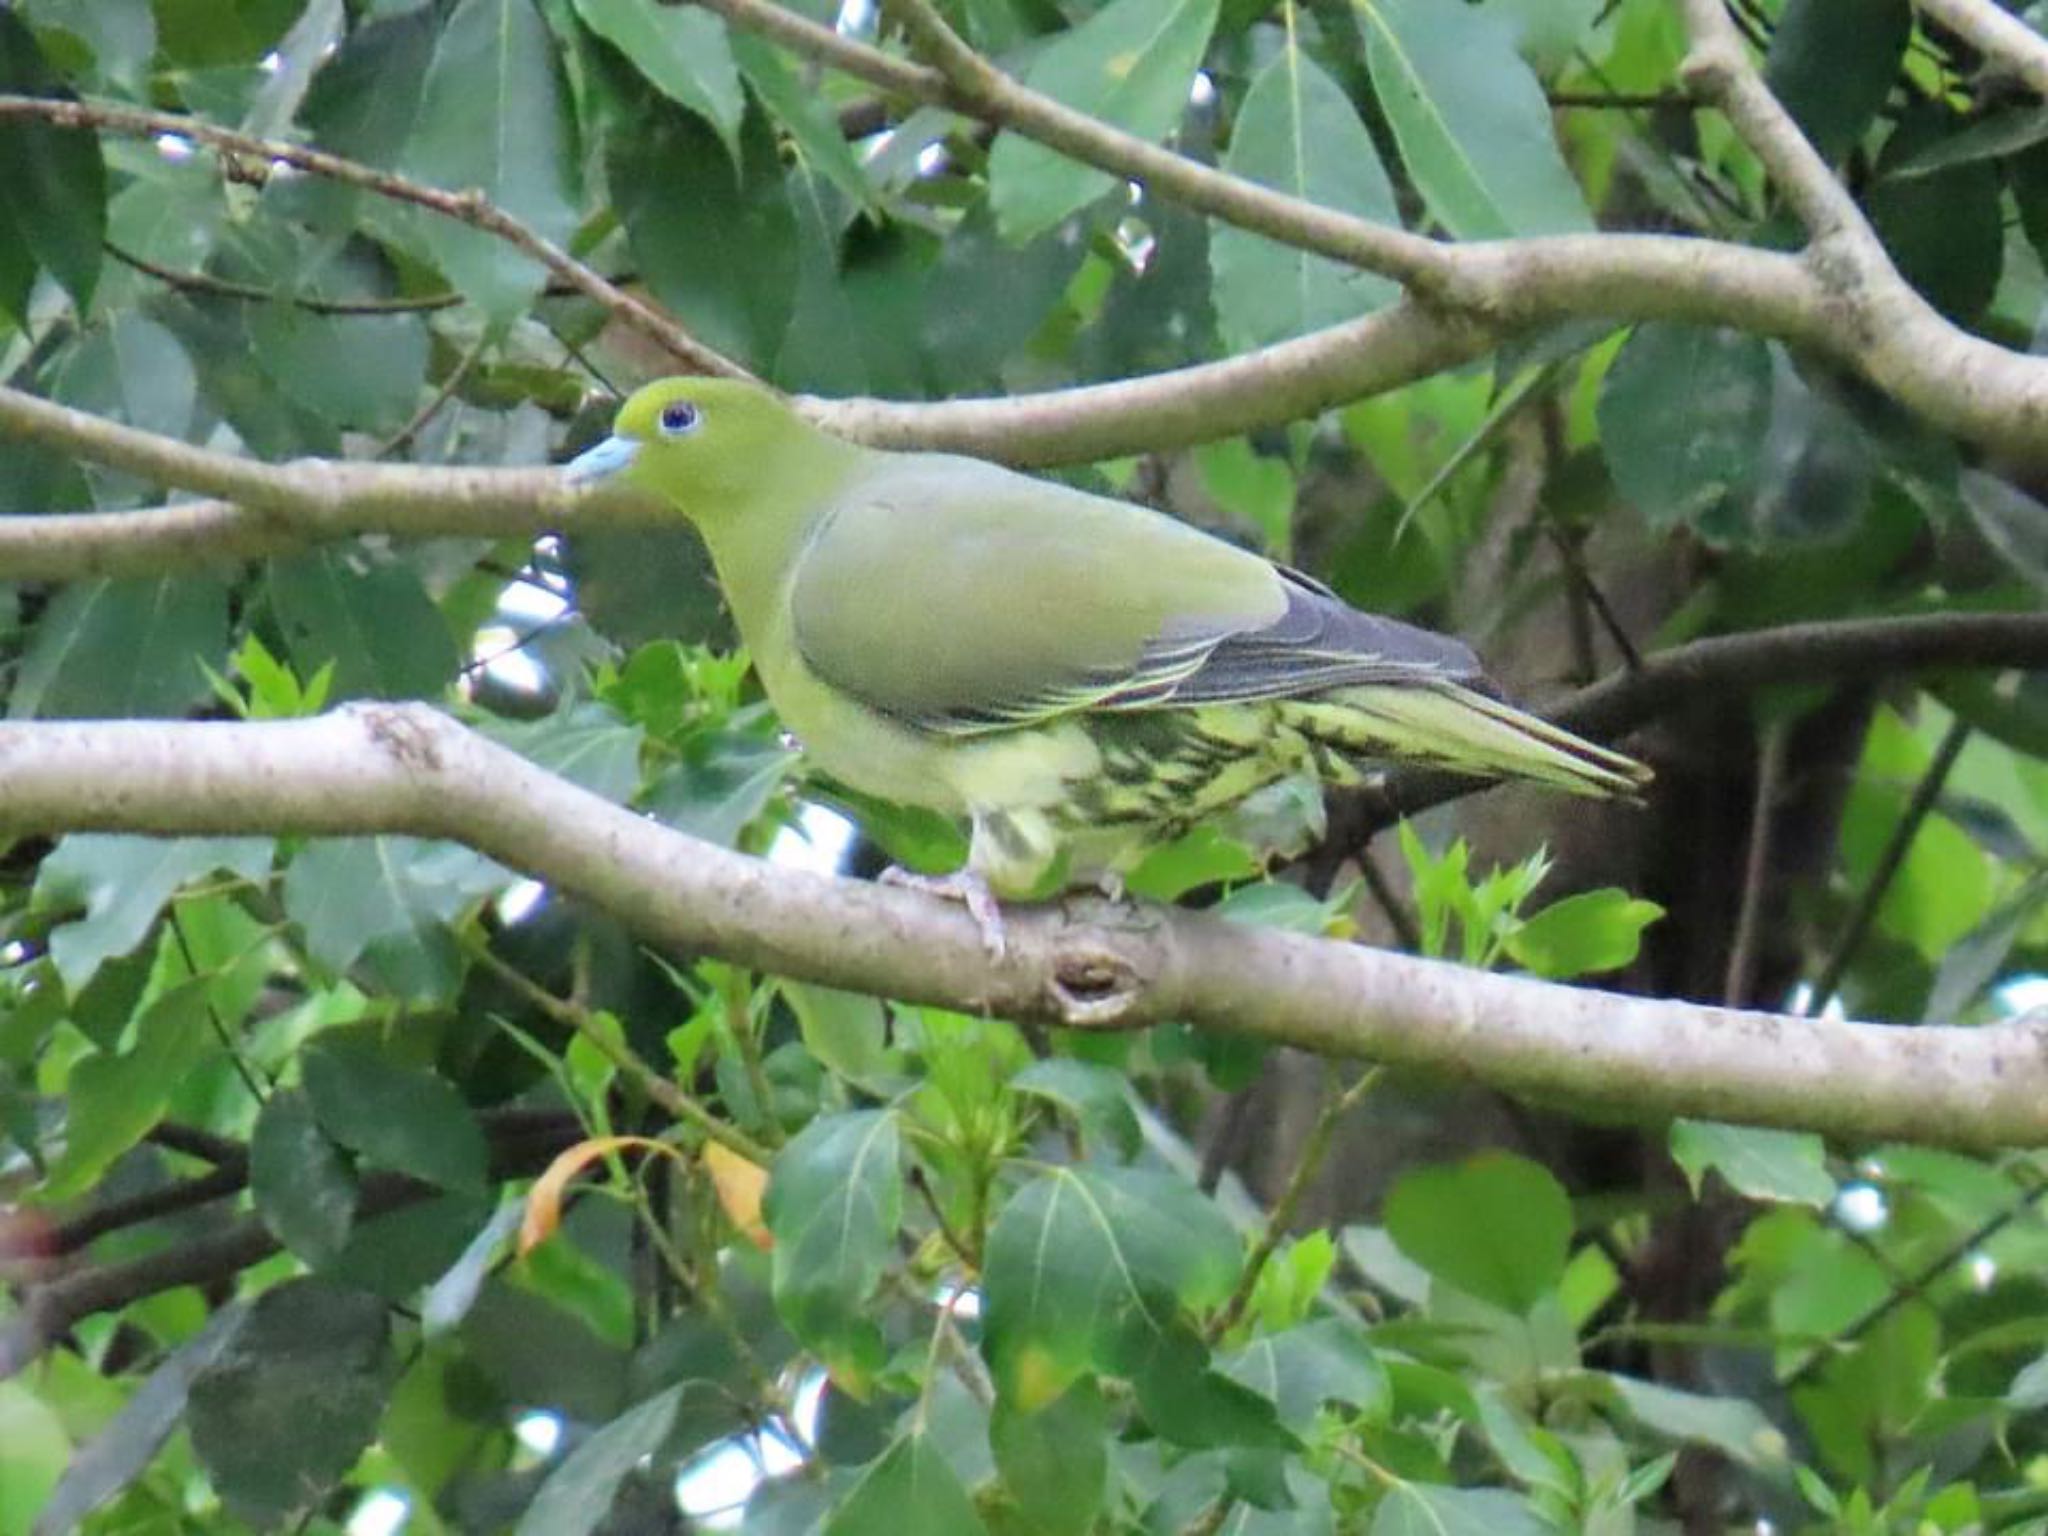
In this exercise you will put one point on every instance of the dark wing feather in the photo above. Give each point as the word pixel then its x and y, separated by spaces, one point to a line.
pixel 1319 643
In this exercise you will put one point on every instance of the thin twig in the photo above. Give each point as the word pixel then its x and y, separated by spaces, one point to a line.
pixel 1740 980
pixel 117 1215
pixel 967 83
pixel 191 1141
pixel 621 1055
pixel 222 288
pixel 441 396
pixel 1897 1297
pixel 470 208
pixel 1388 900
pixel 1889 862
pixel 1280 1219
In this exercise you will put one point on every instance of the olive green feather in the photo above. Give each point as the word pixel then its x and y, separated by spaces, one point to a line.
pixel 1079 677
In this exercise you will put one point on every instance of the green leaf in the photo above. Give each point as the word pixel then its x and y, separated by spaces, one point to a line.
pixel 401 1117
pixel 1201 857
pixel 909 1488
pixel 494 118
pixel 1130 64
pixel 1302 1368
pixel 682 51
pixel 719 250
pixel 1298 132
pixel 1832 62
pixel 1496 1226
pixel 846 1031
pixel 121 1452
pixel 2001 132
pixel 1424 1509
pixel 578 1494
pixel 811 126
pixel 293 1398
pixel 81 660
pixel 1085 1266
pixel 34 1450
pixel 834 1202
pixel 304 1189
pixel 1759 1163
pixel 363 373
pixel 1471 120
pixel 583 742
pixel 2012 522
pixel 371 619
pixel 365 100
pixel 114 1099
pixel 124 882
pixel 53 199
pixel 1734 1426
pixel 1945 231
pixel 1258 487
pixel 1683 414
pixel 1055 1462
pixel 1187 1403
pixel 1583 935
pixel 349 893
pixel 1097 1098
pixel 723 782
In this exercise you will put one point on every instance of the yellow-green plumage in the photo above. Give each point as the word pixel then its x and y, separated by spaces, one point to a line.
pixel 1079 678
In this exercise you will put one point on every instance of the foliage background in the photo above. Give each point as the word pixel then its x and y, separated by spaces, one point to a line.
pixel 272 1109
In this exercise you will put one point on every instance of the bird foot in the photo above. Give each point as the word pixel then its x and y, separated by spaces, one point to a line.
pixel 967 888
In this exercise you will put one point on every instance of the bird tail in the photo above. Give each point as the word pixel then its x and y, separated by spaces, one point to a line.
pixel 1466 732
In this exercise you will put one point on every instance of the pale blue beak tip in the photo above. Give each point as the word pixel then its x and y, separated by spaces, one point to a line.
pixel 601 461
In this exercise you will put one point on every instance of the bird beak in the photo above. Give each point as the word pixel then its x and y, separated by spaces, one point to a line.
pixel 608 458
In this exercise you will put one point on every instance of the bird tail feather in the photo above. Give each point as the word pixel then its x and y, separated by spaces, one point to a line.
pixel 1467 732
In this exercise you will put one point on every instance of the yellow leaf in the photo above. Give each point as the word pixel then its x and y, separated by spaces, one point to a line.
pixel 544 1201
pixel 740 1183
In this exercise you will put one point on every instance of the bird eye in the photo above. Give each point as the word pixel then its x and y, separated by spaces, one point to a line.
pixel 678 417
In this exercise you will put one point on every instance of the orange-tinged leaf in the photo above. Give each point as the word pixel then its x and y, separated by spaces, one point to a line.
pixel 544 1200
pixel 740 1183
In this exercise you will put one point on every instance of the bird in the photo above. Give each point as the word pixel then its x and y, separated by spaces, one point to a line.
pixel 1077 679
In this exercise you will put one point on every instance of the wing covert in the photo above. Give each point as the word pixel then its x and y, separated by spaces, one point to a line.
pixel 962 598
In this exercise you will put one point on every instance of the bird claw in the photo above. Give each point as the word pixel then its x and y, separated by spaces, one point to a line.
pixel 965 887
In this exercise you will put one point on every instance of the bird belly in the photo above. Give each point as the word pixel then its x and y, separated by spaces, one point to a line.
pixel 1091 797
pixel 861 747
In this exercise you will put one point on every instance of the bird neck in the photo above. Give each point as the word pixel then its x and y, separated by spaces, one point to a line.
pixel 761 528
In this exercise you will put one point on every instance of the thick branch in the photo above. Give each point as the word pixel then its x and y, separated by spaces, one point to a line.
pixel 408 769
pixel 2006 42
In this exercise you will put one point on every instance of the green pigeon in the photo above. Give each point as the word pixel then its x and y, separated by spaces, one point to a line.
pixel 1079 679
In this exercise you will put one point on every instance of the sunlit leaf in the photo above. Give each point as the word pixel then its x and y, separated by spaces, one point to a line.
pixel 1129 64
pixel 1470 118
pixel 1496 1226
pixel 835 1198
pixel 1758 1162
pixel 1299 133
pixel 494 118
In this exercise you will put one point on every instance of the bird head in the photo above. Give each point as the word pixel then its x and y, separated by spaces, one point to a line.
pixel 698 443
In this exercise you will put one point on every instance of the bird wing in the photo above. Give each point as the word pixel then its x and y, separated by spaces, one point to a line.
pixel 962 598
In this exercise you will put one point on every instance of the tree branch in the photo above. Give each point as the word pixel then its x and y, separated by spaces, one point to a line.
pixel 2002 38
pixel 522 1143
pixel 470 208
pixel 1086 964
